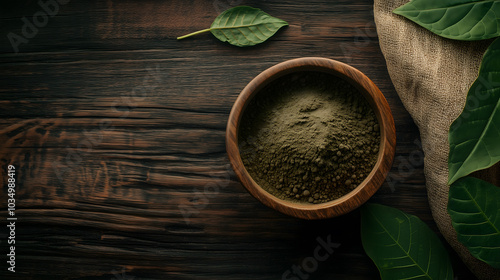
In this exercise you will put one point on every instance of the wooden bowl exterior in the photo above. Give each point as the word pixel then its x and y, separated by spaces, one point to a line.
pixel 360 194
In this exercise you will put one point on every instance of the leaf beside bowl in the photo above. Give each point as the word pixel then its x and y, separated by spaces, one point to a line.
pixel 243 26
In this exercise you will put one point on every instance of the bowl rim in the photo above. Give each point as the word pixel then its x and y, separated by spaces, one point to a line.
pixel 365 189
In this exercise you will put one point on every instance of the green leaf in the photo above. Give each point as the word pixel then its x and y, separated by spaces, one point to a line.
pixel 474 207
pixel 402 246
pixel 455 19
pixel 243 26
pixel 475 135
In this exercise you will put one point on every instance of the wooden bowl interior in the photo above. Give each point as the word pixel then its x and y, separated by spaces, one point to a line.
pixel 363 191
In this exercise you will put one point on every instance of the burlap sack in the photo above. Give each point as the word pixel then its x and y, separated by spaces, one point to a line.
pixel 432 76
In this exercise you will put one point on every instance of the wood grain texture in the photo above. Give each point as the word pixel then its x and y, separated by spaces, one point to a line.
pixel 117 133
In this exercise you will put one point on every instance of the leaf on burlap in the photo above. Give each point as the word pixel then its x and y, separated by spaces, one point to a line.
pixel 402 246
pixel 474 136
pixel 455 19
pixel 474 208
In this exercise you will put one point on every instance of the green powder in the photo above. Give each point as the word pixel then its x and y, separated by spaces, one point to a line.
pixel 309 137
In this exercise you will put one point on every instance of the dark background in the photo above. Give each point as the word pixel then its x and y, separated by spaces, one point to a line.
pixel 116 130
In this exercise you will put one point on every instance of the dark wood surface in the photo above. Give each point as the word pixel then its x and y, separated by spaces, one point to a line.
pixel 117 130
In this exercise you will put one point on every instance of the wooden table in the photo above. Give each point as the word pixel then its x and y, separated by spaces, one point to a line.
pixel 116 131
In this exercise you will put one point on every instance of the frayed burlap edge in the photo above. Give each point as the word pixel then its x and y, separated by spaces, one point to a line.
pixel 432 76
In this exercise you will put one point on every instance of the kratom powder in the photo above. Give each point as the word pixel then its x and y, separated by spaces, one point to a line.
pixel 309 137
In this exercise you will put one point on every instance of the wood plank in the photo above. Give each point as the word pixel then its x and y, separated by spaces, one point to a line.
pixel 106 170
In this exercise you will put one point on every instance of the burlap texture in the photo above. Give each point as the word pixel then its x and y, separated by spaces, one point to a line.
pixel 432 76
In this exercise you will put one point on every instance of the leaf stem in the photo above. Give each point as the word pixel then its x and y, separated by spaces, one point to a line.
pixel 194 33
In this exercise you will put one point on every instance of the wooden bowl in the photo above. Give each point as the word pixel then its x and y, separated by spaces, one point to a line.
pixel 363 191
